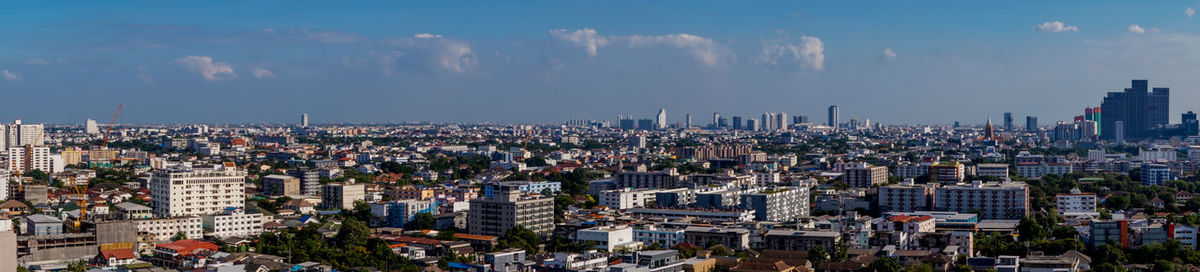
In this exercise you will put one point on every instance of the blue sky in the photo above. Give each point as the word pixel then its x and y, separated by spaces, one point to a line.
pixel 929 62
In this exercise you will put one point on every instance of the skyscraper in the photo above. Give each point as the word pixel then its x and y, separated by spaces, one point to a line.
pixel 1139 108
pixel 716 120
pixel 833 116
pixel 662 119
pixel 1008 122
pixel 687 123
pixel 768 121
pixel 1031 123
pixel 737 122
pixel 304 120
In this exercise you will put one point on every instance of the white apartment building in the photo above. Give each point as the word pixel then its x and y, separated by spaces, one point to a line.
pixel 1184 233
pixel 39 159
pixel 197 191
pixel 998 170
pixel 626 198
pixel 233 223
pixel 652 234
pixel 910 170
pixel 764 178
pixel 1161 154
pixel 151 231
pixel 17 135
pixel 608 238
pixel 906 197
pixel 1076 203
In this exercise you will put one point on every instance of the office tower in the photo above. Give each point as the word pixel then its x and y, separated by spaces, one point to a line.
pixel 90 127
pixel 646 124
pixel 752 124
pixel 833 116
pixel 341 196
pixel 304 120
pixel 503 211
pixel 1140 108
pixel 29 158
pixel 737 122
pixel 781 121
pixel 687 123
pixel 1008 122
pixel 716 120
pixel 799 119
pixel 724 122
pixel 996 200
pixel 626 123
pixel 1190 124
pixel 1031 123
pixel 662 119
pixel 766 121
pixel 196 191
pixel 637 142
pixel 1064 132
pixel 1087 129
pixel 1096 117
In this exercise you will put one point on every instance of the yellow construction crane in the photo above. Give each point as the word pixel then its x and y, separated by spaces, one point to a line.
pixel 82 202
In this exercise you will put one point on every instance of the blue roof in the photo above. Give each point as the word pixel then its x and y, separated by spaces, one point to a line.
pixel 459 265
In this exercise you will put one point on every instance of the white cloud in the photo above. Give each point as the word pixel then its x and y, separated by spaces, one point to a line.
pixel 207 68
pixel 263 73
pixel 808 53
pixel 703 50
pixel 1189 11
pixel 888 54
pixel 38 62
pixel 1056 27
pixel 1136 29
pixel 427 52
pixel 9 75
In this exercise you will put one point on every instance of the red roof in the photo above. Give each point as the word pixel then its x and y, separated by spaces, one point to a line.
pixel 188 246
pixel 906 218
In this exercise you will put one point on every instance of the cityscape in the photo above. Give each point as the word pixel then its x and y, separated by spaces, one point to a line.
pixel 223 148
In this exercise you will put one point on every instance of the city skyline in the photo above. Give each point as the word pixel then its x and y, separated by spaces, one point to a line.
pixel 202 63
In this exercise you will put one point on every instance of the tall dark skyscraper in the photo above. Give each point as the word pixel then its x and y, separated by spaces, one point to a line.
pixel 1031 123
pixel 1190 124
pixel 833 116
pixel 1008 121
pixel 737 122
pixel 1139 108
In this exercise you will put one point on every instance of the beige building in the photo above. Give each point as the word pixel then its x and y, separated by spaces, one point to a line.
pixel 341 195
pixel 496 215
pixel 197 191
pixel 866 177
pixel 281 185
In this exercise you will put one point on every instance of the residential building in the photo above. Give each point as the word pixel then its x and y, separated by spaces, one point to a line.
pixel 626 198
pixel 998 170
pixel 609 238
pixel 1156 174
pixel 496 215
pixel 281 185
pixel 732 238
pixel 993 200
pixel 947 172
pixel 779 204
pixel 649 261
pixel 196 191
pixel 906 197
pixel 233 223
pixel 341 196
pixel 782 239
pixel 866 176
pixel 1076 203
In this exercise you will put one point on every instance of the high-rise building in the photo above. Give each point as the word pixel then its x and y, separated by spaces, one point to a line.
pixel 1189 123
pixel 716 120
pixel 626 123
pixel 501 212
pixel 1031 123
pixel 687 122
pixel 737 122
pixel 197 191
pixel 768 121
pixel 752 124
pixel 833 116
pixel 18 134
pixel 29 158
pixel 1139 107
pixel 646 124
pixel 992 200
pixel 866 176
pixel 310 180
pixel 304 120
pixel 1008 122
pixel 90 127
pixel 661 119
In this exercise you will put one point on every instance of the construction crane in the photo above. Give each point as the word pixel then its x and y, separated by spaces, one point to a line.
pixel 104 141
pixel 82 202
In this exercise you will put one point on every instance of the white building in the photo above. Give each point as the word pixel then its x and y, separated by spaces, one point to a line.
pixel 38 159
pixel 1037 170
pixel 152 231
pixel 336 196
pixel 653 234
pixel 626 198
pixel 1161 154
pixel 764 178
pixel 233 223
pixel 90 127
pixel 609 238
pixel 998 170
pixel 1156 174
pixel 586 261
pixel 1076 203
pixel 17 135
pixel 197 191
pixel 992 200
pixel 1184 233
pixel 909 170
pixel 906 196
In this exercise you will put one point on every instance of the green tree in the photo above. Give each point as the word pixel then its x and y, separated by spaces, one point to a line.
pixel 884 264
pixel 421 221
pixel 353 233
pixel 78 266
pixel 818 254
pixel 522 238
pixel 178 236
